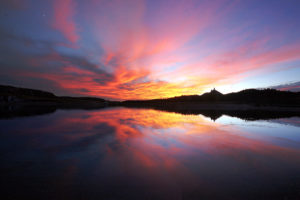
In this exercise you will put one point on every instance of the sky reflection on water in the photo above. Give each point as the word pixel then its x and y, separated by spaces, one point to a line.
pixel 140 153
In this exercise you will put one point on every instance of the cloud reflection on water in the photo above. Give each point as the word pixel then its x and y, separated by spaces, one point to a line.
pixel 138 152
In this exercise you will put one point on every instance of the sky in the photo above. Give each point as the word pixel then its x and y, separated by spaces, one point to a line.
pixel 144 49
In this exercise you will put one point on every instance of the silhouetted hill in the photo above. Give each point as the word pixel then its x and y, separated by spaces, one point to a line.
pixel 211 96
pixel 266 96
pixel 249 96
pixel 6 91
pixel 16 95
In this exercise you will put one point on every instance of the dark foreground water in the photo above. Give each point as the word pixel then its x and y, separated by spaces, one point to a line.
pixel 123 153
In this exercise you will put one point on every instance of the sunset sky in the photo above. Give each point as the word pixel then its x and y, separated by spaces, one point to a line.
pixel 143 49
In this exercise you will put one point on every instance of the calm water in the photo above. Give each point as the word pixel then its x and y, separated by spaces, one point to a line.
pixel 123 153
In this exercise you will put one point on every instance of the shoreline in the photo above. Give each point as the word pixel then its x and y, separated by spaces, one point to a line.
pixel 211 110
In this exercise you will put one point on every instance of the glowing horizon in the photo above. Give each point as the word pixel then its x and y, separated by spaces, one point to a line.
pixel 143 49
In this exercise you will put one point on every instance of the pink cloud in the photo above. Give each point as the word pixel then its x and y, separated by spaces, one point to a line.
pixel 121 30
pixel 64 11
pixel 234 64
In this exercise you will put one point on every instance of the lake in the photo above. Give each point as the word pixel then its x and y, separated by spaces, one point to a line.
pixel 124 153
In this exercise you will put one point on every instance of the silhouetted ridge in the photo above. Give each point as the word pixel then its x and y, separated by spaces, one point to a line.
pixel 13 95
pixel 266 96
pixel 249 96
pixel 213 95
pixel 23 92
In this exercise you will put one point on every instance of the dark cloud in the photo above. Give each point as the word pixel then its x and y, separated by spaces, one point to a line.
pixel 294 87
pixel 9 36
pixel 126 87
pixel 33 82
pixel 103 77
pixel 84 90
pixel 23 59
pixel 13 4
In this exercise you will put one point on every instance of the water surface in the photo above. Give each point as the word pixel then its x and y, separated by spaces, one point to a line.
pixel 123 153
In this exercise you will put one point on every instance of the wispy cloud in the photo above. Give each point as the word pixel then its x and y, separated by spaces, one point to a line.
pixel 64 12
pixel 294 87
